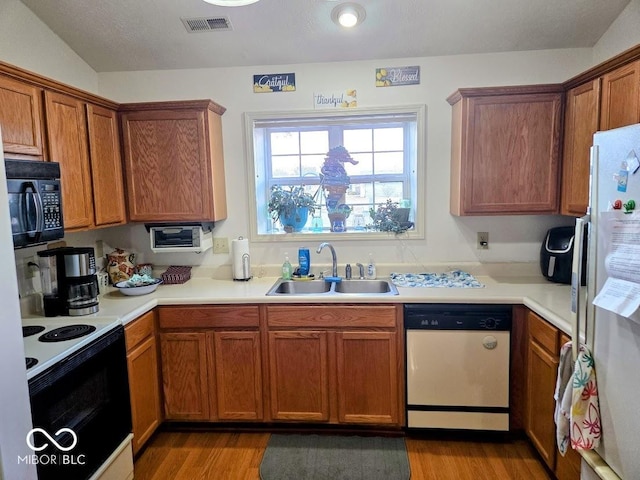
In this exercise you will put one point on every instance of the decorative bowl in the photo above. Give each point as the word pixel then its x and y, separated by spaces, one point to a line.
pixel 126 289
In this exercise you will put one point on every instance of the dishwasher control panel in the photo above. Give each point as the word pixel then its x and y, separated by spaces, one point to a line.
pixel 457 317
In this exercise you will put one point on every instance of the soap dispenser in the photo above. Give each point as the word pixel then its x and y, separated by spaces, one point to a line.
pixel 287 269
pixel 371 268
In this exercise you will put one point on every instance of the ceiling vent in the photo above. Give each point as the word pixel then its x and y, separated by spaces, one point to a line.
pixel 206 24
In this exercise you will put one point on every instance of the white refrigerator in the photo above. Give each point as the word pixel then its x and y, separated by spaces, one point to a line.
pixel 613 269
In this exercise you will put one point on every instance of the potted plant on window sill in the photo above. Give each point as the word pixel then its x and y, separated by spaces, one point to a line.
pixel 389 217
pixel 291 206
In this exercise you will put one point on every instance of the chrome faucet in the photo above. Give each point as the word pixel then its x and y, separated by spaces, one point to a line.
pixel 361 268
pixel 334 266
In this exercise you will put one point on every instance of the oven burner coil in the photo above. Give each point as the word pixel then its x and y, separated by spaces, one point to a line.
pixel 68 332
pixel 31 330
pixel 30 361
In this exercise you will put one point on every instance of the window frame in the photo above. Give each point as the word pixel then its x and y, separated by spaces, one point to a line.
pixel 254 178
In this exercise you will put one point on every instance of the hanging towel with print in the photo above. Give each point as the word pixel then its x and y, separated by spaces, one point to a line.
pixel 563 395
pixel 585 411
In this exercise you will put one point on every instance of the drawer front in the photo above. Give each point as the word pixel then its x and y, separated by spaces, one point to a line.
pixel 139 329
pixel 339 316
pixel 209 316
pixel 544 333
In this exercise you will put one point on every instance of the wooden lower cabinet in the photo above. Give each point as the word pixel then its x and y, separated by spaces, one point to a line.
pixel 184 375
pixel 238 372
pixel 336 364
pixel 144 383
pixel 322 364
pixel 542 376
pixel 211 370
pixel 367 377
pixel 299 375
pixel 545 342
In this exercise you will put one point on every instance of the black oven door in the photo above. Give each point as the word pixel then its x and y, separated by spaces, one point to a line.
pixel 80 409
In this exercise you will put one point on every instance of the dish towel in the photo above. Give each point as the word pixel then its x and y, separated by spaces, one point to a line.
pixel 562 396
pixel 577 410
pixel 452 279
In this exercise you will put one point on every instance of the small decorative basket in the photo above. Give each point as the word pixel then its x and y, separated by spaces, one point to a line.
pixel 176 274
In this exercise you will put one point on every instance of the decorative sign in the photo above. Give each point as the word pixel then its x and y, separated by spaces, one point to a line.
pixel 346 99
pixel 274 82
pixel 395 76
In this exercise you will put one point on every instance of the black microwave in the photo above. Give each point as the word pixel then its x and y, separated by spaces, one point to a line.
pixel 35 201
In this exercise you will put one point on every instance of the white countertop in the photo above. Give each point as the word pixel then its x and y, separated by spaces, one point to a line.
pixel 549 300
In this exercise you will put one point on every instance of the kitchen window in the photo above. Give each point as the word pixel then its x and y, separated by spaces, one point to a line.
pixel 383 148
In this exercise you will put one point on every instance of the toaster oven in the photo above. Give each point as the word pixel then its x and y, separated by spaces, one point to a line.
pixel 180 238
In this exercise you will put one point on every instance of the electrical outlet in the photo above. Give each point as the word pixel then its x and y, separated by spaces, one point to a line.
pixel 30 270
pixel 220 245
pixel 483 240
pixel 99 252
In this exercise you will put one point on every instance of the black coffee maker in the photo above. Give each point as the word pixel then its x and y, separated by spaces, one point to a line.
pixel 69 281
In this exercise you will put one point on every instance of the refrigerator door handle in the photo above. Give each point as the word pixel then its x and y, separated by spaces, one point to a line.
pixel 576 280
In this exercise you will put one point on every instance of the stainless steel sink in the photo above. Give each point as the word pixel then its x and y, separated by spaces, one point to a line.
pixel 361 287
pixel 289 287
pixel 365 288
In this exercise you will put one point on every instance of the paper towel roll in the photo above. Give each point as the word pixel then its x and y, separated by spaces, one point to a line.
pixel 241 259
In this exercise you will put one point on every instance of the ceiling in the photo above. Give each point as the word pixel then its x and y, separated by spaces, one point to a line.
pixel 123 35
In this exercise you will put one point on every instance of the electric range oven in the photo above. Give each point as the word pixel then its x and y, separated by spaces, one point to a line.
pixel 79 394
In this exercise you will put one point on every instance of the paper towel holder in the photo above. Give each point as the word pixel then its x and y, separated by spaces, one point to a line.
pixel 245 263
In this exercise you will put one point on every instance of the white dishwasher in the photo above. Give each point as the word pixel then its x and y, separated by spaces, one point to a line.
pixel 457 360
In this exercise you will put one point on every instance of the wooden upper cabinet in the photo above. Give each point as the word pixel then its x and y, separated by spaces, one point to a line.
pixel 174 162
pixel 582 114
pixel 21 118
pixel 505 150
pixel 67 134
pixel 621 97
pixel 106 166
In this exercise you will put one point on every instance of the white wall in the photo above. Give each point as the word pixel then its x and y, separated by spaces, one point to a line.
pixel 28 43
pixel 623 34
pixel 448 239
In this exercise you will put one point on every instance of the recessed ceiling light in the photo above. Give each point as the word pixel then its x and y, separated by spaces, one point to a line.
pixel 348 14
pixel 230 3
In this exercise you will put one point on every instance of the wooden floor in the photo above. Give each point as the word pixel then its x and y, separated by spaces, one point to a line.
pixel 231 456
